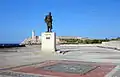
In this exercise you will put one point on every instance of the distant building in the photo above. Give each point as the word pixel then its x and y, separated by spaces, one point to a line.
pixel 33 34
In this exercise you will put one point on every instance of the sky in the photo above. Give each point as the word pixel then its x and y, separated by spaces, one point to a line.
pixel 84 18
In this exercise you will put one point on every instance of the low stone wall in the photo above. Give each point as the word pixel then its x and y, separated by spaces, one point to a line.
pixel 112 44
pixel 80 45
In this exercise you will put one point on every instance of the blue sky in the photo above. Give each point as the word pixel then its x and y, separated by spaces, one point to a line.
pixel 86 18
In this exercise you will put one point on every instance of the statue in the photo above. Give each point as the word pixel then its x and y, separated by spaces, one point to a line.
pixel 48 21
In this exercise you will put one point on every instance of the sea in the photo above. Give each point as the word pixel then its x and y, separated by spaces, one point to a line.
pixel 7 45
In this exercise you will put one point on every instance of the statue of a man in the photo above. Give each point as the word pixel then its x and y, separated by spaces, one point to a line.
pixel 48 21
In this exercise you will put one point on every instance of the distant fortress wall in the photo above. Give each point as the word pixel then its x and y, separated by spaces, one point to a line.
pixel 37 39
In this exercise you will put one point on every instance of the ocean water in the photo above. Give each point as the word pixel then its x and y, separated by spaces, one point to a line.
pixel 9 45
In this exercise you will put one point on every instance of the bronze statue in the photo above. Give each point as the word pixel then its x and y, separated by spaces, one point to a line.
pixel 48 21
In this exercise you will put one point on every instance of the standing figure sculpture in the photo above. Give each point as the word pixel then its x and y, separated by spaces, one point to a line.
pixel 48 21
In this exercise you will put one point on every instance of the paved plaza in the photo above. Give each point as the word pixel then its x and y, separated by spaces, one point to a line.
pixel 79 61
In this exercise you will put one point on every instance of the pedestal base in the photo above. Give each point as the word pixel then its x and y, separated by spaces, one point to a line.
pixel 48 42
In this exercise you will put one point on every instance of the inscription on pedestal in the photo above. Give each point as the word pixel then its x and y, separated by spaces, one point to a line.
pixel 47 37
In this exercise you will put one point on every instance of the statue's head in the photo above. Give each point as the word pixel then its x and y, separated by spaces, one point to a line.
pixel 49 13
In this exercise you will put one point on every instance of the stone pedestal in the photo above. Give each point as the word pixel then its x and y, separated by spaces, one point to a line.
pixel 48 42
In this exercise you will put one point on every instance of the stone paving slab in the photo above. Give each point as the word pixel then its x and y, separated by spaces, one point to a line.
pixel 115 72
pixel 61 68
